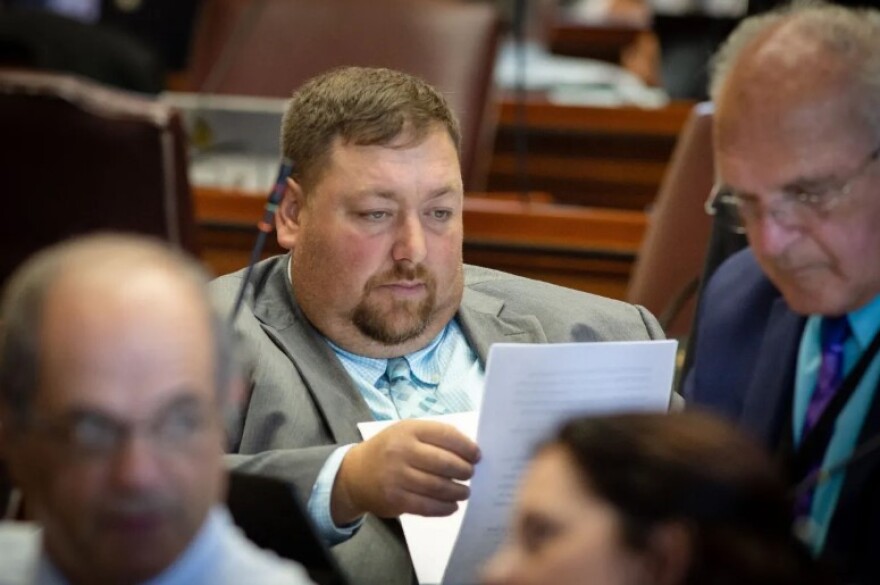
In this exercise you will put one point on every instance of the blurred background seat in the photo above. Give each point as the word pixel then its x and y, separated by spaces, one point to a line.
pixel 79 157
pixel 666 274
pixel 163 28
pixel 270 47
pixel 34 39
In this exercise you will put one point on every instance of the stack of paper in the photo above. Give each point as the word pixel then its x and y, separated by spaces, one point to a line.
pixel 530 391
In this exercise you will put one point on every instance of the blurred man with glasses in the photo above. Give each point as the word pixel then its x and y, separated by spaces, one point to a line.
pixel 788 328
pixel 114 379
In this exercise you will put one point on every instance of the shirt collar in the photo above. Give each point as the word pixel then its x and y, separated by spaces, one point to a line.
pixel 427 364
pixel 200 552
pixel 865 322
pixel 372 369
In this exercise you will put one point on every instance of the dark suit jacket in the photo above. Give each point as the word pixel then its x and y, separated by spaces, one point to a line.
pixel 744 366
pixel 303 404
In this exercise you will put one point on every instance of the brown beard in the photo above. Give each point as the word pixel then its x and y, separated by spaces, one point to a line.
pixel 406 319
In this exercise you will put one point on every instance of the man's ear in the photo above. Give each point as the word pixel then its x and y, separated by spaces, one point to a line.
pixel 287 219
pixel 669 553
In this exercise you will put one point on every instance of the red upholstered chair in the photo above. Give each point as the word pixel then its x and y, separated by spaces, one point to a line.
pixel 666 273
pixel 270 47
pixel 79 157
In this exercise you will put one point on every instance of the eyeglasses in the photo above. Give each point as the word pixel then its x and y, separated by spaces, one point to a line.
pixel 798 206
pixel 90 434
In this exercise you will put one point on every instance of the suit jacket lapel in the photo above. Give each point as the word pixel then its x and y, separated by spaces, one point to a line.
pixel 481 320
pixel 859 487
pixel 769 397
pixel 330 386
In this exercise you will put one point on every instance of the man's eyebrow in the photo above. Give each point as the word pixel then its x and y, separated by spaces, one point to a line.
pixel 382 194
pixel 443 191
pixel 393 196
pixel 185 399
pixel 798 183
pixel 810 182
pixel 81 411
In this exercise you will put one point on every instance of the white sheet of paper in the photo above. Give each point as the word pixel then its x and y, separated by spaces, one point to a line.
pixel 530 390
pixel 430 540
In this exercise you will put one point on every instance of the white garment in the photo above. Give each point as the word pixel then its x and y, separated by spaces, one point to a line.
pixel 82 10
pixel 219 555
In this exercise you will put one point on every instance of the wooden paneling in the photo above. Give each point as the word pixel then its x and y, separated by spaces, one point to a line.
pixel 589 156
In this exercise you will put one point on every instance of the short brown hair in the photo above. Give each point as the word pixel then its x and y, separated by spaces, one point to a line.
pixel 362 106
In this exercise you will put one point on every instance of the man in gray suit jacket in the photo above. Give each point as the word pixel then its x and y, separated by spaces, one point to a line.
pixel 372 216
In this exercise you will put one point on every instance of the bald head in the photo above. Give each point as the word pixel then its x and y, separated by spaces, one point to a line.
pixel 94 271
pixel 776 56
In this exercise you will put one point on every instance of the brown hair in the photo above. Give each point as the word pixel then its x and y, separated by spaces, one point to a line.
pixel 361 106
pixel 693 469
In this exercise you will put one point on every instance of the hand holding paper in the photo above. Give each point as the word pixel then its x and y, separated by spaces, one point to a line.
pixel 430 540
pixel 410 467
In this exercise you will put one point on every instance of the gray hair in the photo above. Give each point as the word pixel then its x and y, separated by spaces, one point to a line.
pixel 850 36
pixel 23 303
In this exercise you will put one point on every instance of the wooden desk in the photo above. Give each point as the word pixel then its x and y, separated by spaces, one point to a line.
pixel 587 249
pixel 590 156
pixel 605 41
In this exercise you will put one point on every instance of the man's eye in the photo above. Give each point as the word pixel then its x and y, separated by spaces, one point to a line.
pixel 375 215
pixel 441 214
pixel 179 426
pixel 808 197
pixel 93 433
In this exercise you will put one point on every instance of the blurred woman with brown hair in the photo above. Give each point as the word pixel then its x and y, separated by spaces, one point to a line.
pixel 650 499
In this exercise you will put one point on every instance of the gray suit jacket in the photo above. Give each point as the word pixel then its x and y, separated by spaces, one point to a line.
pixel 302 404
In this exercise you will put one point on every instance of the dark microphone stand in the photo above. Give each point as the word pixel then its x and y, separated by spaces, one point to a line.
pixel 265 227
pixel 519 25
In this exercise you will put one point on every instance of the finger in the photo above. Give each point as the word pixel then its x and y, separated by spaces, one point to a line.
pixel 434 487
pixel 447 437
pixel 439 462
pixel 424 506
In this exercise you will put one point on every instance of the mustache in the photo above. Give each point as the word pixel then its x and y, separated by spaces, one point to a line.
pixel 138 505
pixel 399 272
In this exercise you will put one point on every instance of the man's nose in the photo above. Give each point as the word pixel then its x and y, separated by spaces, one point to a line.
pixel 410 242
pixel 136 463
pixel 770 235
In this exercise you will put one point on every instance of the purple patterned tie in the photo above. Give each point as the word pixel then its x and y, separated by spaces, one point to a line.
pixel 833 334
